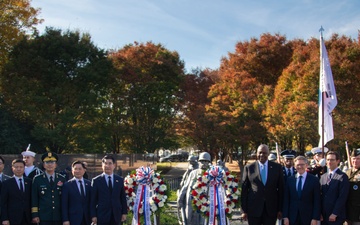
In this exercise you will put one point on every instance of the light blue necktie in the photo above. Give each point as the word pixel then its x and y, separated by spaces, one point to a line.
pixel 299 187
pixel 263 174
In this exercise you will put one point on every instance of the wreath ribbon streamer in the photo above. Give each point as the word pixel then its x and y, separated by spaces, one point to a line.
pixel 216 195
pixel 143 176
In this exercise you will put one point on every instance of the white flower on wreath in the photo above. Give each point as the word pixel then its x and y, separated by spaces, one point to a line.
pixel 203 209
pixel 163 187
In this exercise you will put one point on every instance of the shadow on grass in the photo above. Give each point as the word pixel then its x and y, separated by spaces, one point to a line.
pixel 165 167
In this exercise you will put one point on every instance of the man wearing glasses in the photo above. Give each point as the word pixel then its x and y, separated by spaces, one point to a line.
pixel 302 196
pixel 46 193
pixel 334 191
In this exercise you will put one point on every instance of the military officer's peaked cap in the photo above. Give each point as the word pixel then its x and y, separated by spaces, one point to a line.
pixel 355 153
pixel 288 154
pixel 49 156
pixel 318 150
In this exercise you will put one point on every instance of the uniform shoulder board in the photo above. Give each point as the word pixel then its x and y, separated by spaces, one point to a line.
pixel 38 171
pixel 61 175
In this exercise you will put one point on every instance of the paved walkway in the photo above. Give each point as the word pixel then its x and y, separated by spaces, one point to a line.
pixel 177 170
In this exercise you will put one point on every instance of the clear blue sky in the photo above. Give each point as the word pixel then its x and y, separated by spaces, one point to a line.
pixel 201 31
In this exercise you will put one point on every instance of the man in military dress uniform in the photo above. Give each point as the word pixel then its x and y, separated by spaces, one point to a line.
pixel 30 169
pixel 288 168
pixel 353 202
pixel 318 164
pixel 46 193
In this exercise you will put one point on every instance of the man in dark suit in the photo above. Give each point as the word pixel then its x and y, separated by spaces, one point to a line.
pixel 75 197
pixel 16 197
pixel 46 193
pixel 3 177
pixel 302 196
pixel 108 200
pixel 334 191
pixel 262 190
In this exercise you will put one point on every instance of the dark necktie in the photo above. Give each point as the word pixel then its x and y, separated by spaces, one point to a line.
pixel 329 179
pixel 21 185
pixel 51 181
pixel 110 184
pixel 299 186
pixel 289 173
pixel 82 189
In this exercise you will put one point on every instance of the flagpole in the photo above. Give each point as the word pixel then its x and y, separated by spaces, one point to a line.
pixel 322 94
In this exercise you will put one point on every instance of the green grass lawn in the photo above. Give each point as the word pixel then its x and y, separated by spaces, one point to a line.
pixel 165 166
pixel 167 215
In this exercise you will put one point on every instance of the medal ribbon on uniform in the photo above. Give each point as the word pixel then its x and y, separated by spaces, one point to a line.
pixel 215 176
pixel 143 177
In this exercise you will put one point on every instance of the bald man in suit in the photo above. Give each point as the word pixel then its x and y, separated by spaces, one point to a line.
pixel 262 190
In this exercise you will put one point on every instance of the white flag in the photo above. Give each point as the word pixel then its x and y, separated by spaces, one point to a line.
pixel 326 90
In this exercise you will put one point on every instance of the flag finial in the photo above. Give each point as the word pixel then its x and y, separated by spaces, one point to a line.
pixel 321 30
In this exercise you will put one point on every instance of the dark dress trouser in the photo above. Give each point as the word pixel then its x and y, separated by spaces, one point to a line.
pixel 265 219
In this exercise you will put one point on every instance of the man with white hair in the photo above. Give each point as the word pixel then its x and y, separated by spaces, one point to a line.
pixel 30 169
pixel 189 216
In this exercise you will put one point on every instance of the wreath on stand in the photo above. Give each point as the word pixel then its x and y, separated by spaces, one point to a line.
pixel 146 193
pixel 216 194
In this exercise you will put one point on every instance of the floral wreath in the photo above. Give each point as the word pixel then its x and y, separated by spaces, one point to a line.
pixel 215 193
pixel 145 188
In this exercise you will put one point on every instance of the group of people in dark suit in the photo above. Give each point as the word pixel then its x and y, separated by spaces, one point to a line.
pixel 300 199
pixel 48 199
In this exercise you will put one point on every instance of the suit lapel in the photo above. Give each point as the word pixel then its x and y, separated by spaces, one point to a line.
pixel 270 171
pixel 307 184
pixel 336 175
pixel 116 184
pixel 87 188
pixel 257 171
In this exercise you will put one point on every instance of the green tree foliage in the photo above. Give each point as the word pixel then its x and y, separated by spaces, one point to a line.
pixel 17 18
pixel 149 76
pixel 57 82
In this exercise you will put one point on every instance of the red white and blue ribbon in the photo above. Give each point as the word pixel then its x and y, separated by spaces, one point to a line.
pixel 144 178
pixel 216 195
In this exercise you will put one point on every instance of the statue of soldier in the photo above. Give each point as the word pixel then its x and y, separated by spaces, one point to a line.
pixel 190 217
pixel 193 165
pixel 221 164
